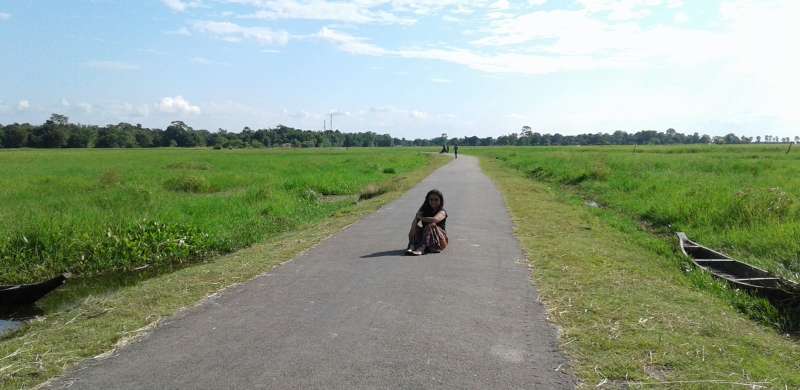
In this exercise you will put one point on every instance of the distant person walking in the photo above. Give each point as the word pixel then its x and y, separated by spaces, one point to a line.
pixel 427 232
pixel 455 148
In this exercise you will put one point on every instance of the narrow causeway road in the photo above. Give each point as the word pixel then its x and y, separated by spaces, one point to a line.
pixel 354 313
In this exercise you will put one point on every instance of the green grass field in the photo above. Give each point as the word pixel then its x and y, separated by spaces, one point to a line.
pixel 92 211
pixel 744 200
pixel 632 313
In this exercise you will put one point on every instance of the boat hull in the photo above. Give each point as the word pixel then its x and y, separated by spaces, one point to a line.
pixel 735 272
pixel 26 294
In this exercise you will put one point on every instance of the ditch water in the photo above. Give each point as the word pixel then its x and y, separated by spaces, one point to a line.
pixel 7 326
pixel 11 320
pixel 74 291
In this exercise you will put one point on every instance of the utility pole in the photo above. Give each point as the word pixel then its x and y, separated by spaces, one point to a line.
pixel 324 124
pixel 331 121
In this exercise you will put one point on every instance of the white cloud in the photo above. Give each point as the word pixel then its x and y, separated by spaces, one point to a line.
pixel 111 65
pixel 23 105
pixel 183 31
pixel 234 33
pixel 418 114
pixel 621 10
pixel 206 61
pixel 496 63
pixel 200 60
pixel 496 15
pixel 349 43
pixel 336 112
pixel 439 80
pixel 68 105
pixel 500 4
pixel 4 16
pixel 681 17
pixel 536 2
pixel 450 18
pixel 674 3
pixel 462 10
pixel 400 12
pixel 121 109
pixel 178 105
pixel 180 5
pixel 760 55
pixel 299 115
pixel 552 41
pixel 86 107
pixel 345 12
pixel 380 109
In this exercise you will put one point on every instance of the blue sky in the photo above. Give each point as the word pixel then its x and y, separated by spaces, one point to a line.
pixel 413 68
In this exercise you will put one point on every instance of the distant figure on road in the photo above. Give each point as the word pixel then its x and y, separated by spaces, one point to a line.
pixel 455 149
pixel 427 232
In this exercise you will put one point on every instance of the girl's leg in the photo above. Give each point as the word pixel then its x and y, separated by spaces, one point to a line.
pixel 414 236
pixel 417 243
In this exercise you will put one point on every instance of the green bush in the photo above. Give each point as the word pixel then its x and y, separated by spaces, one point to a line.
pixel 193 184
pixel 39 254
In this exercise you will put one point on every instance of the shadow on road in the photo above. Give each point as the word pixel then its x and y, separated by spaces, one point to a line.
pixel 395 252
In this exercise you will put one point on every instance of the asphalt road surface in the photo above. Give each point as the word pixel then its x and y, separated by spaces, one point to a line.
pixel 353 313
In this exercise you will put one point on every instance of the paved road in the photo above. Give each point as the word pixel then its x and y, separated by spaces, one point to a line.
pixel 353 313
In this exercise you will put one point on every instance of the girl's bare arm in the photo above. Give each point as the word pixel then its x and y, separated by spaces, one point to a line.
pixel 436 218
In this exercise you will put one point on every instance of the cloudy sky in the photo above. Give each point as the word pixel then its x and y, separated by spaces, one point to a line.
pixel 413 68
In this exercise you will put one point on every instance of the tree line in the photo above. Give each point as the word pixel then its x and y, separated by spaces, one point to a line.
pixel 527 137
pixel 58 132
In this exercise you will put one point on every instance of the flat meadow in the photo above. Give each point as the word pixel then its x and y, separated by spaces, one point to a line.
pixel 743 200
pixel 597 225
pixel 93 211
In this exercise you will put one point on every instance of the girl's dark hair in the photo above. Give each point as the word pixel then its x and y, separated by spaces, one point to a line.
pixel 427 210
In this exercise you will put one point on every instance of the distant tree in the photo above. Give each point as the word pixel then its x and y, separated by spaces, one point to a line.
pixel 52 134
pixel 115 136
pixel 731 138
pixel 58 119
pixel 16 135
pixel 143 137
pixel 181 133
pixel 81 137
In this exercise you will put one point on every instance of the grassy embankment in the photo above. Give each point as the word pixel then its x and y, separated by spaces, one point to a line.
pixel 258 196
pixel 92 211
pixel 631 310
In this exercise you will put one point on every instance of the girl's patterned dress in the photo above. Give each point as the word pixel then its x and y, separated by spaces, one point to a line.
pixel 432 237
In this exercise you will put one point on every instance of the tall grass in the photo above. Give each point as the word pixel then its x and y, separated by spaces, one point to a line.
pixel 92 211
pixel 744 200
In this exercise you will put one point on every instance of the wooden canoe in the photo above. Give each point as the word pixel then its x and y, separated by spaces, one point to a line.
pixel 26 294
pixel 737 273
